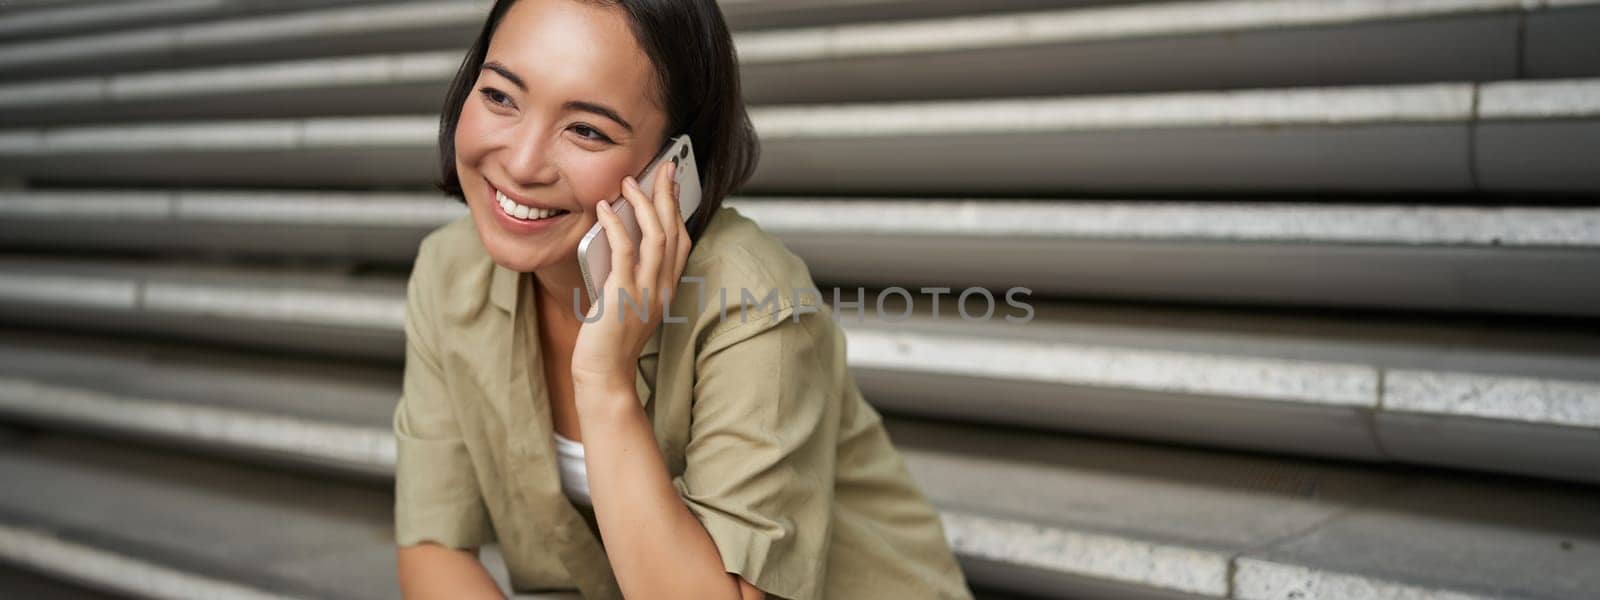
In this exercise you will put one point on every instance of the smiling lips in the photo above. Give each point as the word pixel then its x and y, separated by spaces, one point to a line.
pixel 522 211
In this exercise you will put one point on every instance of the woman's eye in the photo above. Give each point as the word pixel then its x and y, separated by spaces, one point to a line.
pixel 585 131
pixel 496 96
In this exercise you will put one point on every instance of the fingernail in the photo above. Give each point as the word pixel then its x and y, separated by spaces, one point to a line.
pixel 630 181
pixel 605 206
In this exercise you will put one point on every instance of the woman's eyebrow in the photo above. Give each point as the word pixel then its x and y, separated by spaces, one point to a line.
pixel 599 109
pixel 589 107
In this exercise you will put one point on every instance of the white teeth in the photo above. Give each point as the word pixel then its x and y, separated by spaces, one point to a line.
pixel 526 213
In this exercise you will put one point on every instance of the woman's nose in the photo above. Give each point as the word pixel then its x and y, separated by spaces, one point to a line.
pixel 529 161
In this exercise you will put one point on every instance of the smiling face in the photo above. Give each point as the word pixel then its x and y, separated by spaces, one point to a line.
pixel 564 108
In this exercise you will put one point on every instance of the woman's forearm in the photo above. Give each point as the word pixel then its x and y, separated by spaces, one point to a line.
pixel 657 547
pixel 431 571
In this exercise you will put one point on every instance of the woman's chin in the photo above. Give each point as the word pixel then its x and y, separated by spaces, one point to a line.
pixel 517 257
pixel 508 251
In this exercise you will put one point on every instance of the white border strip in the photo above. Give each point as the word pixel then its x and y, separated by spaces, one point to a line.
pixel 68 291
pixel 1259 579
pixel 1093 555
pixel 320 209
pixel 1282 380
pixel 296 305
pixel 1065 218
pixel 1435 102
pixel 244 134
pixel 118 206
pixel 1545 99
pixel 317 209
pixel 1169 221
pixel 1507 398
pixel 305 74
pixel 1063 26
pixel 289 305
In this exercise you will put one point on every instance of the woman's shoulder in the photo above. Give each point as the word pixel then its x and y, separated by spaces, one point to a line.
pixel 452 266
pixel 451 245
pixel 736 256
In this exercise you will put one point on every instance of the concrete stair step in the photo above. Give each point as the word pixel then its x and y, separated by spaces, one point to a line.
pixel 1167 46
pixel 324 311
pixel 1029 512
pixel 158 536
pixel 162 524
pixel 1456 392
pixel 1460 392
pixel 330 415
pixel 213 32
pixel 337 30
pixel 776 14
pixel 408 82
pixel 378 227
pixel 1096 518
pixel 1307 252
pixel 90 16
pixel 1406 256
pixel 1517 136
pixel 1149 47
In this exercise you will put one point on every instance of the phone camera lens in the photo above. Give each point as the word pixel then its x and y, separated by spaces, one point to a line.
pixel 683 152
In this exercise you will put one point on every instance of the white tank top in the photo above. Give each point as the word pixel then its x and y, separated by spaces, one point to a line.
pixel 574 479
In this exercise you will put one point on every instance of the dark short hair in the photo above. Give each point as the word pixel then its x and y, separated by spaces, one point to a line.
pixel 697 72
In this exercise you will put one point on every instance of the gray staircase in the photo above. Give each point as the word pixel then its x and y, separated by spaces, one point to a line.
pixel 147 523
pixel 1313 284
pixel 1217 251
pixel 1436 138
pixel 1148 47
pixel 1070 515
pixel 55 19
pixel 1355 387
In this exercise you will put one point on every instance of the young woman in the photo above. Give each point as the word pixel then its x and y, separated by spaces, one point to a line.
pixel 710 450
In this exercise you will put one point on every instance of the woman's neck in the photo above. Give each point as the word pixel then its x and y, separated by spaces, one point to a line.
pixel 556 287
pixel 557 329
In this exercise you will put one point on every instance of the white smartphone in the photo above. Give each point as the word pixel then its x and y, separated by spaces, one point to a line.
pixel 594 252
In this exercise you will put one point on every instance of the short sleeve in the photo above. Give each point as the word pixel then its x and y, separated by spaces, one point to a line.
pixel 759 466
pixel 436 491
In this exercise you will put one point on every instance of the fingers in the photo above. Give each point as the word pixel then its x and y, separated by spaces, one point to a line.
pixel 666 201
pixel 652 242
pixel 680 254
pixel 683 249
pixel 622 250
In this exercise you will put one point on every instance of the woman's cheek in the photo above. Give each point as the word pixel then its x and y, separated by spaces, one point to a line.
pixel 596 176
pixel 469 135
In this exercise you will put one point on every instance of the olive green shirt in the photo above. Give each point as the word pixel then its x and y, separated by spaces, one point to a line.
pixel 760 423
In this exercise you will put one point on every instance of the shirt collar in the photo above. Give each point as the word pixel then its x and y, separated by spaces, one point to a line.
pixel 505 291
